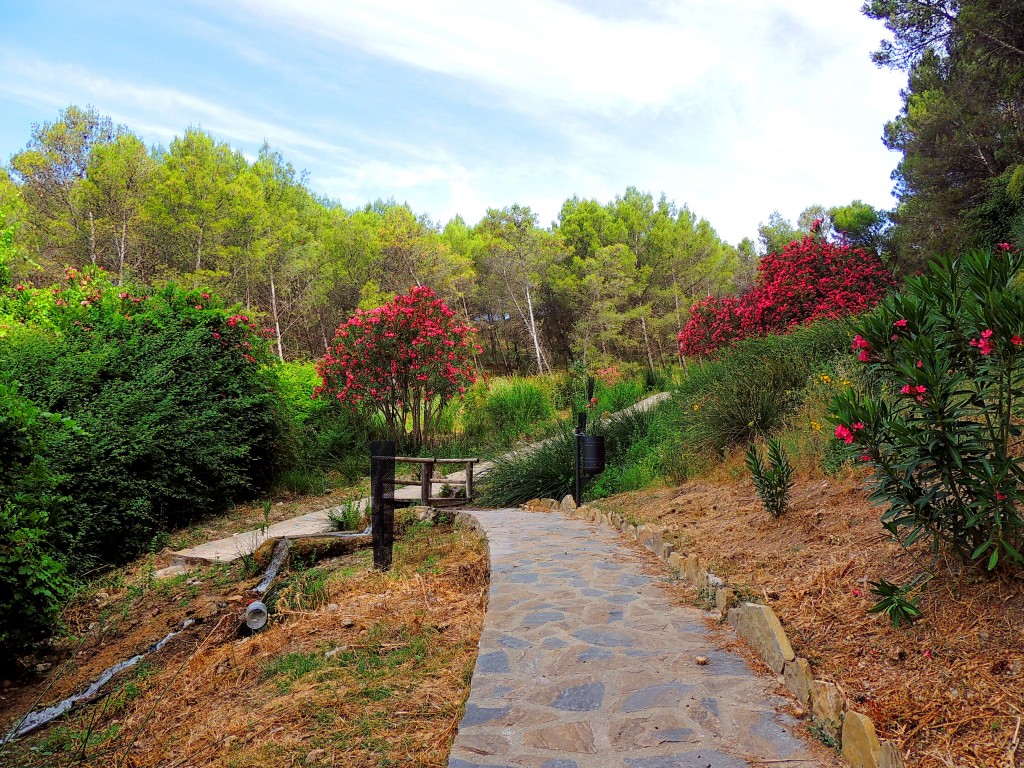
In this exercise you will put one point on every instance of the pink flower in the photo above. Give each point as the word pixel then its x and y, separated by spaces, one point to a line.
pixel 984 344
pixel 1000 496
pixel 1017 341
pixel 900 324
pixel 864 356
pixel 843 433
pixel 860 343
pixel 857 426
pixel 1004 247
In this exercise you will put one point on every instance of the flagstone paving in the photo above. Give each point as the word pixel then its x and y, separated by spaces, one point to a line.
pixel 585 662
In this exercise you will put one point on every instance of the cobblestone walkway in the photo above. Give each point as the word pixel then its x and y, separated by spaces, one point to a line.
pixel 585 663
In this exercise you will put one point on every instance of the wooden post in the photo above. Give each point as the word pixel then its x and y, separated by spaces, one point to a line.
pixel 469 481
pixel 382 502
pixel 426 475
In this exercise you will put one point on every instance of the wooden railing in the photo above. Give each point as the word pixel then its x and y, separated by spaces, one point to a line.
pixel 427 480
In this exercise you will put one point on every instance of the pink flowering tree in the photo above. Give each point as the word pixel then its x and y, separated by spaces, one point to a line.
pixel 810 279
pixel 404 360
pixel 940 424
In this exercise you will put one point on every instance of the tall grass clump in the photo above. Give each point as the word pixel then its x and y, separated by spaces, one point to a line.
pixel 509 408
pixel 750 390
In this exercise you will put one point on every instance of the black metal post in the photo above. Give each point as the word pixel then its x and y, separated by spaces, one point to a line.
pixel 382 501
pixel 581 430
pixel 578 483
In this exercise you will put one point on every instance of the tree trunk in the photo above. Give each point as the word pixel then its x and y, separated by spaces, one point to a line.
pixel 277 320
pixel 647 343
pixel 533 326
pixel 92 239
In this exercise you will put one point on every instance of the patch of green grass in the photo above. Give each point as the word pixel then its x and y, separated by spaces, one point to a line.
pixel 825 735
pixel 286 669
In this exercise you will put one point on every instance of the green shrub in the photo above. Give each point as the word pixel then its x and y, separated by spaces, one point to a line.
pixel 750 390
pixel 940 426
pixel 323 435
pixel 33 581
pixel 894 601
pixel 173 395
pixel 772 481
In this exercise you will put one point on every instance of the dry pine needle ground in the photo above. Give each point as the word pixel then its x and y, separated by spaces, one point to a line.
pixel 357 668
pixel 948 689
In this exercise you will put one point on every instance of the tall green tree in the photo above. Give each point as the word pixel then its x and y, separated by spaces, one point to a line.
pixel 117 182
pixel 194 210
pixel 960 182
pixel 515 256
pixel 51 170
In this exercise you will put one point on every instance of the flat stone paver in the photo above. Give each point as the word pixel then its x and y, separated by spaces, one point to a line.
pixel 585 663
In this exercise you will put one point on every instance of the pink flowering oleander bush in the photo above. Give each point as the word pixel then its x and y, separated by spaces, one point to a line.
pixel 940 423
pixel 809 280
pixel 403 360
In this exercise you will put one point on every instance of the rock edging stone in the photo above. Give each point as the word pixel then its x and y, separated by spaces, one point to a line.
pixel 761 628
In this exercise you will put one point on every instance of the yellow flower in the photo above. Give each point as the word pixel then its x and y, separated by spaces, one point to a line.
pixel 825 378
pixel 696 407
pixel 815 425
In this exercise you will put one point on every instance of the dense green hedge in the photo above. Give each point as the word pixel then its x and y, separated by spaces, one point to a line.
pixel 33 581
pixel 177 412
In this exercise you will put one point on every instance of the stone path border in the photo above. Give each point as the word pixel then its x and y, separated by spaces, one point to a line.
pixel 761 628
pixel 586 662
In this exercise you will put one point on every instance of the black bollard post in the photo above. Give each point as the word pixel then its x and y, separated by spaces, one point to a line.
pixel 382 501
pixel 581 428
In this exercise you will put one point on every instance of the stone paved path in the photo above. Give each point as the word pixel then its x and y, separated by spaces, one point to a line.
pixel 585 663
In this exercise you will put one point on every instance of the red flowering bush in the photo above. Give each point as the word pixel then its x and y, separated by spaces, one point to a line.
pixel 404 360
pixel 939 425
pixel 811 279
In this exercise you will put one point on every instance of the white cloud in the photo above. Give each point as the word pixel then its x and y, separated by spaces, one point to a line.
pixel 534 49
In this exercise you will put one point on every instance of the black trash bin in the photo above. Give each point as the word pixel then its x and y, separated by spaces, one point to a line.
pixel 592 458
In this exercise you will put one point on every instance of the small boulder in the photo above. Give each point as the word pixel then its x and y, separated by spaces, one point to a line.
pixel 860 744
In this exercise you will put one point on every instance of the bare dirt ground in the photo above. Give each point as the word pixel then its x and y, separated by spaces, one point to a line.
pixel 949 689
pixel 357 667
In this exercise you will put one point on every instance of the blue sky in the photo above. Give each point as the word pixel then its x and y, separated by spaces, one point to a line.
pixel 734 107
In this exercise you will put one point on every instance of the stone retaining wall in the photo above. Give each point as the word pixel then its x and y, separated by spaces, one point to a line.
pixel 760 627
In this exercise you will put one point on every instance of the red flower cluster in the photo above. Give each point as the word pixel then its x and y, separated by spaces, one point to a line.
pixel 403 357
pixel 845 433
pixel 916 392
pixel 809 280
pixel 984 344
pixel 609 376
